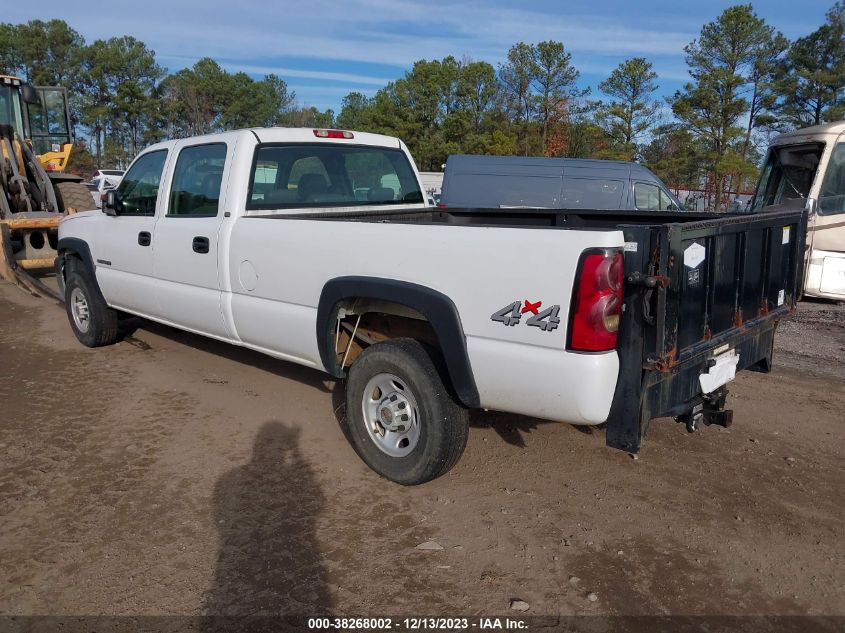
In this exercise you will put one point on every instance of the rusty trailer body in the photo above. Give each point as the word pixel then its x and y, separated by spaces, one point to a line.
pixel 696 290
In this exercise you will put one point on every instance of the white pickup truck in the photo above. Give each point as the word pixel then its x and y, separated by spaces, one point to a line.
pixel 318 247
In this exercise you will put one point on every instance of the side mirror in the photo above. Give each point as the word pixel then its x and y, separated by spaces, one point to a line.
pixel 110 202
pixel 812 207
pixel 29 94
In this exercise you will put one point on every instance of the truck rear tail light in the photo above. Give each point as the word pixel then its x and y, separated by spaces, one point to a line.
pixel 597 302
pixel 333 134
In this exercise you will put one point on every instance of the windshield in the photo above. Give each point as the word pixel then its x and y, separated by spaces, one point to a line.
pixel 787 175
pixel 330 175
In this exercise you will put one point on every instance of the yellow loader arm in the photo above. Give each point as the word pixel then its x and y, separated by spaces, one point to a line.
pixel 56 161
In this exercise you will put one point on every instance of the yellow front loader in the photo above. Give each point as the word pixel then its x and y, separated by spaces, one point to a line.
pixel 35 191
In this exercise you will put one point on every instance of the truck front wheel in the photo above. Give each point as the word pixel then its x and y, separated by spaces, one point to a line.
pixel 93 322
pixel 400 417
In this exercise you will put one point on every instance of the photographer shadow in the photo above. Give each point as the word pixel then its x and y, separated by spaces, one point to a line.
pixel 269 567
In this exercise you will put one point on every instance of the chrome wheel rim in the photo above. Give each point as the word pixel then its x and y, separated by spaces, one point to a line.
pixel 391 415
pixel 79 310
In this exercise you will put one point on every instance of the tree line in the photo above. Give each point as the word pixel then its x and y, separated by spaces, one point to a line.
pixel 747 82
pixel 122 99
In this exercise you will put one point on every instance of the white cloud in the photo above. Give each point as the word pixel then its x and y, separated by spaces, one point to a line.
pixel 349 78
pixel 335 46
pixel 391 32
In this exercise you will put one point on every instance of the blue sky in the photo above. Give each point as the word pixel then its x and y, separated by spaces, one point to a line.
pixel 324 49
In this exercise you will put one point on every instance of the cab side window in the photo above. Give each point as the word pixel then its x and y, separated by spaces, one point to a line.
pixel 666 202
pixel 646 197
pixel 649 197
pixel 138 190
pixel 197 179
pixel 832 193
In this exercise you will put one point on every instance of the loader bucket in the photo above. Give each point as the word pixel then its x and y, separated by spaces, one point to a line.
pixel 26 246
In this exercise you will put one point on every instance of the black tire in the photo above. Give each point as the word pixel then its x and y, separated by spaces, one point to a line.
pixel 73 195
pixel 101 321
pixel 443 424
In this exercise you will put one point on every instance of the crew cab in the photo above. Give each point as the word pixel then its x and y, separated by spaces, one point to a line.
pixel 318 247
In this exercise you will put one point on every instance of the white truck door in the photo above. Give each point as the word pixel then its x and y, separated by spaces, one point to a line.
pixel 124 245
pixel 186 241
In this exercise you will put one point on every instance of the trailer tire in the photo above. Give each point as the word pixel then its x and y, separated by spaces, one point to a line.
pixel 73 195
pixel 400 417
pixel 93 322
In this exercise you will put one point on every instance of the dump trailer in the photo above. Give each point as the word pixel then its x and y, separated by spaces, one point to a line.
pixel 35 191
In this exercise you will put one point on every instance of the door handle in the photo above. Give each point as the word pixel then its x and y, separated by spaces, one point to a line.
pixel 144 238
pixel 200 244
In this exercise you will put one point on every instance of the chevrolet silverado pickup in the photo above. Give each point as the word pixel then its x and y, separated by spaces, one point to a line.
pixel 318 247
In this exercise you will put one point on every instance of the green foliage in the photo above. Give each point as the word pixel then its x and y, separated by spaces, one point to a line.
pixel 673 154
pixel 46 53
pixel 722 63
pixel 538 84
pixel 11 62
pixel 554 80
pixel 206 98
pixel 119 99
pixel 354 112
pixel 812 82
pixel 746 78
pixel 633 111
pixel 439 107
pixel 81 162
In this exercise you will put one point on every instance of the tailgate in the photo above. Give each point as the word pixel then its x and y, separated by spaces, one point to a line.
pixel 695 291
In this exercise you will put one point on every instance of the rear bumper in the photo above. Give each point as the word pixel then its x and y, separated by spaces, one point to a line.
pixel 677 390
pixel 543 382
pixel 641 396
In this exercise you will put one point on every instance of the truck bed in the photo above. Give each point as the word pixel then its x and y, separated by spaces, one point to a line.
pixel 696 285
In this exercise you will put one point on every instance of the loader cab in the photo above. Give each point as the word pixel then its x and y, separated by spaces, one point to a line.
pixel 48 119
pixel 38 113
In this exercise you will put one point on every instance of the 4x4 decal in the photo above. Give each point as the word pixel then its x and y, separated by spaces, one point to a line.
pixel 511 314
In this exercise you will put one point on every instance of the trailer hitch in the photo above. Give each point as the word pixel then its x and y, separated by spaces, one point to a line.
pixel 710 411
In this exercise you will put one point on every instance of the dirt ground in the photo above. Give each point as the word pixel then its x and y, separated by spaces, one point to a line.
pixel 171 474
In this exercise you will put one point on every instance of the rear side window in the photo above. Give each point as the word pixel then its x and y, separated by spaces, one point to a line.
pixel 326 175
pixel 592 193
pixel 649 197
pixel 503 190
pixel 197 180
pixel 138 190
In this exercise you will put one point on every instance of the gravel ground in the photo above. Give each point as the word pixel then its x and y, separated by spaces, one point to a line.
pixel 814 340
pixel 171 474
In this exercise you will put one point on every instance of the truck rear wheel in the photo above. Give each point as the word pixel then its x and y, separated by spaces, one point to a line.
pixel 93 322
pixel 73 195
pixel 400 417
